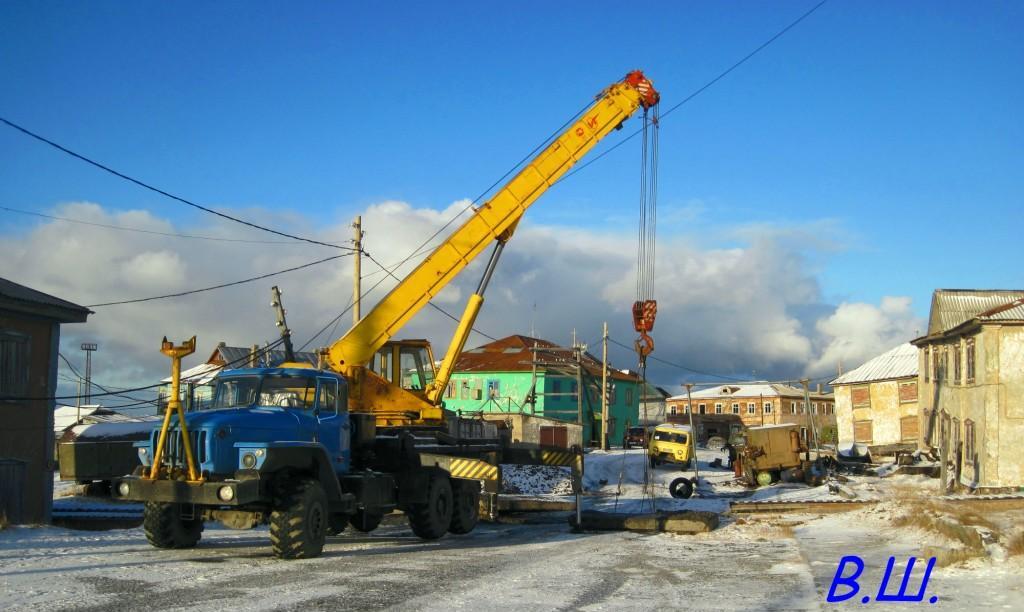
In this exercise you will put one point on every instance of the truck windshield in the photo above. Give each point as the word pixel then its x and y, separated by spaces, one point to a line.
pixel 285 391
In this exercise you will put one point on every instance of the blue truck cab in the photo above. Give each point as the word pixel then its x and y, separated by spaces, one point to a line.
pixel 279 447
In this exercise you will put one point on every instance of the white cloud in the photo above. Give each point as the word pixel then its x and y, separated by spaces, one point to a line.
pixel 754 308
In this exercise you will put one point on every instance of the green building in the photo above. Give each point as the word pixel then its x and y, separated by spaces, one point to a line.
pixel 499 377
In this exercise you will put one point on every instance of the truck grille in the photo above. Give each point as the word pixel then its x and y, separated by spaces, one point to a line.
pixel 174 454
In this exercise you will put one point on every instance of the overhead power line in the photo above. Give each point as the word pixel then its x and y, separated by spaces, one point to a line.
pixel 145 231
pixel 676 365
pixel 241 282
pixel 700 89
pixel 144 185
pixel 46 398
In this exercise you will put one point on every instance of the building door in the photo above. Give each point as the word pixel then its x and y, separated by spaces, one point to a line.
pixel 554 435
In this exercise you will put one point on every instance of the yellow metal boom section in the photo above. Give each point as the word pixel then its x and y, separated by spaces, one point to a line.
pixel 492 221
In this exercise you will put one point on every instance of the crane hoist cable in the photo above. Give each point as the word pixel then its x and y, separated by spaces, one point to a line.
pixel 645 308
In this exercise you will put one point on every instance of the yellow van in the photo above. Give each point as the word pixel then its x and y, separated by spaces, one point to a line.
pixel 671 443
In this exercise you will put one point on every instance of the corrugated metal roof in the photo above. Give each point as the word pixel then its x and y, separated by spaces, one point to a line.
pixel 747 390
pixel 20 297
pixel 952 307
pixel 238 357
pixel 900 362
pixel 513 354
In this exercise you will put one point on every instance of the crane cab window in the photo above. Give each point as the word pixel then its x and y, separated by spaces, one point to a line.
pixel 416 368
pixel 382 363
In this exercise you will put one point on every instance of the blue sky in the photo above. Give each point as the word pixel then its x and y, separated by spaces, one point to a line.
pixel 889 133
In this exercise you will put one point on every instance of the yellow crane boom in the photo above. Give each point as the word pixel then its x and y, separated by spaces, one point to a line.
pixel 494 221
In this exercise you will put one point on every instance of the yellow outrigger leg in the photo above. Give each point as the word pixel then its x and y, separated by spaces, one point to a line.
pixel 174 406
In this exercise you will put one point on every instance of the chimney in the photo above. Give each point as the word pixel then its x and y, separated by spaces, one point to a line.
pixel 819 388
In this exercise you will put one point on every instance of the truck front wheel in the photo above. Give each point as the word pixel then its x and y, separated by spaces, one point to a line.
pixel 430 520
pixel 466 513
pixel 165 528
pixel 298 523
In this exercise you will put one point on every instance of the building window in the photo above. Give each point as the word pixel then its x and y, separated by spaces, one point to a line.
pixel 956 364
pixel 927 365
pixel 629 397
pixel 803 434
pixel 718 408
pixel 14 364
pixel 672 409
pixel 908 392
pixel 862 432
pixel 701 409
pixel 969 457
pixel 735 408
pixel 767 407
pixel 970 361
pixel 449 391
pixel 792 407
pixel 814 407
pixel 945 364
pixel 493 388
pixel 751 408
pixel 686 409
pixel 861 396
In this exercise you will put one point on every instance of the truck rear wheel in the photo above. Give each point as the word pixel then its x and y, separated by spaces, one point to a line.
pixel 430 520
pixel 466 513
pixel 298 523
pixel 365 521
pixel 165 528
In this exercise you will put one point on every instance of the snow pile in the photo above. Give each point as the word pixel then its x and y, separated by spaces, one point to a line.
pixel 536 480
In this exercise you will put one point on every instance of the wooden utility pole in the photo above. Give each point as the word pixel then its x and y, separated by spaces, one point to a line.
pixel 604 388
pixel 693 435
pixel 810 417
pixel 357 291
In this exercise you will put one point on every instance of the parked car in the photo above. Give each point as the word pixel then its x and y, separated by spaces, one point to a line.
pixel 636 436
pixel 671 443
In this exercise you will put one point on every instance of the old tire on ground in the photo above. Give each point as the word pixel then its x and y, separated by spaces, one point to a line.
pixel 298 522
pixel 365 521
pixel 336 524
pixel 430 520
pixel 165 528
pixel 466 513
pixel 765 478
pixel 681 488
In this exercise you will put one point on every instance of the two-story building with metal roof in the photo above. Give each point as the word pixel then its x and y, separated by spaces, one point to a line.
pixel 876 403
pixel 971 376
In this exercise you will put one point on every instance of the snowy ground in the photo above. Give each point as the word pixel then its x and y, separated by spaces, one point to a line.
pixel 749 563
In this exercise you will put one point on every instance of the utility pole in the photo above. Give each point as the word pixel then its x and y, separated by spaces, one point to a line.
pixel 89 348
pixel 810 417
pixel 357 291
pixel 604 388
pixel 693 435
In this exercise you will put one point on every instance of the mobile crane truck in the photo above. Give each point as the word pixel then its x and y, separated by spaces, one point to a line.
pixel 308 448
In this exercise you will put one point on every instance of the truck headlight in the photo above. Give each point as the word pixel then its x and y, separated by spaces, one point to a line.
pixel 123 489
pixel 248 460
pixel 226 493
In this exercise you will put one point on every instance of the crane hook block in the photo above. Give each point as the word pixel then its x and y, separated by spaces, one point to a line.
pixel 644 312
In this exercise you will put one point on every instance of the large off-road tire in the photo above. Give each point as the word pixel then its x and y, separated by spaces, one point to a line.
pixel 165 528
pixel 466 513
pixel 298 522
pixel 365 521
pixel 430 520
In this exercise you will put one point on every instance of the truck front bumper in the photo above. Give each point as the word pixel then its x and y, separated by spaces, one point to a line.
pixel 225 493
